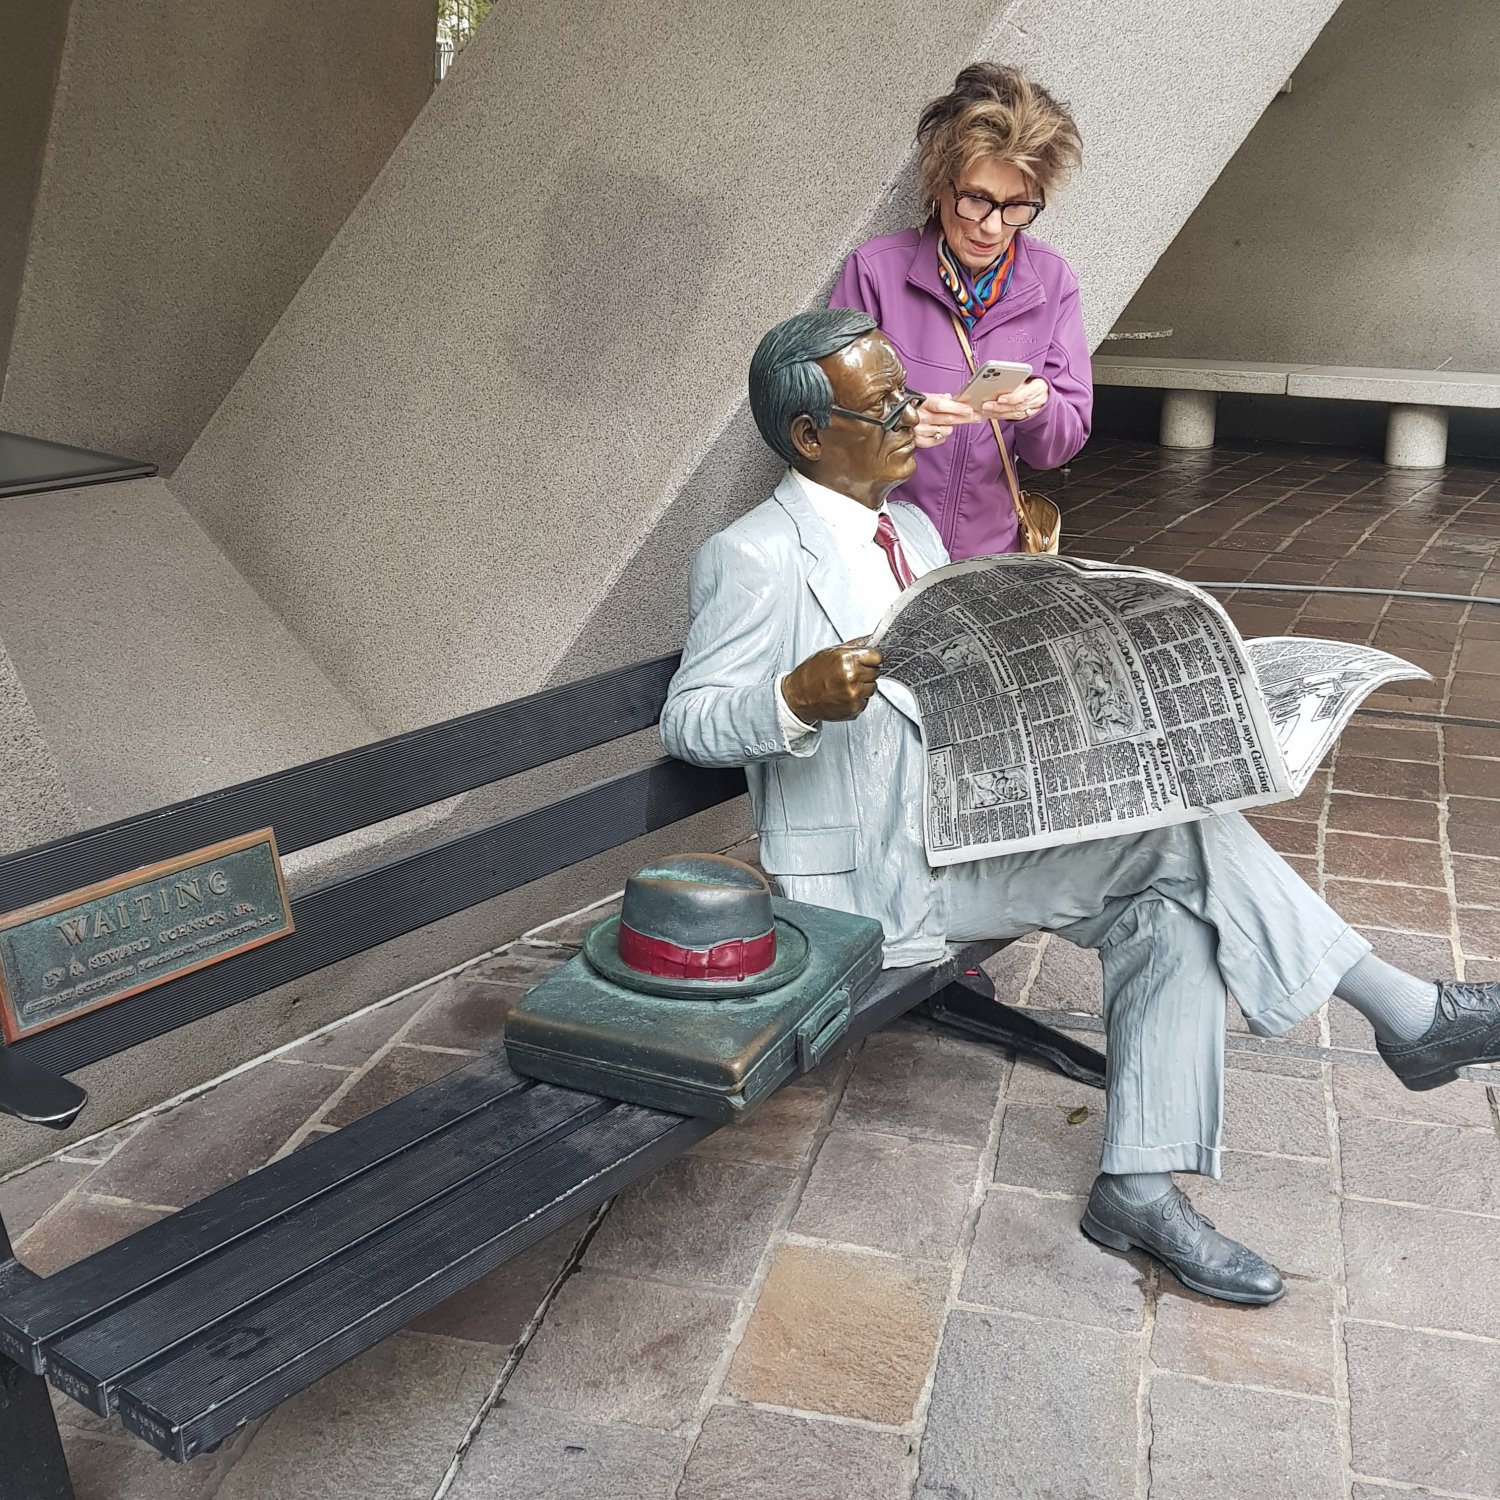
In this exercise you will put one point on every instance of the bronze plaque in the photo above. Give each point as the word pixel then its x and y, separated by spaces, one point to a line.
pixel 97 945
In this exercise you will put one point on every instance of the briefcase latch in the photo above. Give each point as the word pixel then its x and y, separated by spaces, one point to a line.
pixel 821 1029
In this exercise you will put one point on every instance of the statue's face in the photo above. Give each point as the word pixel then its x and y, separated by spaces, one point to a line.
pixel 860 458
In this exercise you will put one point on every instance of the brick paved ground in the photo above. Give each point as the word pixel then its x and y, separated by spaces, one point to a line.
pixel 876 1289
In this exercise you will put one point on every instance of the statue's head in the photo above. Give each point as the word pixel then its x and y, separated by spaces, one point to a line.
pixel 829 394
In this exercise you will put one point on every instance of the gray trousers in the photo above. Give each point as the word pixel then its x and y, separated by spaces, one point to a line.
pixel 1179 916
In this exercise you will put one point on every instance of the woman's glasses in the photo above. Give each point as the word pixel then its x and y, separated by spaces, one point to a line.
pixel 888 422
pixel 1015 213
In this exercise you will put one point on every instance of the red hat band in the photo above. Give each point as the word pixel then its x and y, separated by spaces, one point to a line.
pixel 741 958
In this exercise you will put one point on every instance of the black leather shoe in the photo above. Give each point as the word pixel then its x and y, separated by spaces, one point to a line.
pixel 1465 1030
pixel 1186 1243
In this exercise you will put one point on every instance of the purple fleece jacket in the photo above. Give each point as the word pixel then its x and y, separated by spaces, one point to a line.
pixel 960 484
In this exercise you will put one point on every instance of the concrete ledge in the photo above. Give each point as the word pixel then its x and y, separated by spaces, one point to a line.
pixel 1239 376
pixel 1401 387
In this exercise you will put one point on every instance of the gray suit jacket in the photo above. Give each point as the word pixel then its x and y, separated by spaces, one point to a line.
pixel 840 820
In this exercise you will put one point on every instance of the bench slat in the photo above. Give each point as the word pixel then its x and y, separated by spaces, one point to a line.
pixel 350 915
pixel 252 1362
pixel 88 1364
pixel 324 798
pixel 49 1310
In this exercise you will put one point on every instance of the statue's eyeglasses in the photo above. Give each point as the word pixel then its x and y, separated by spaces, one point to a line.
pixel 1015 213
pixel 889 421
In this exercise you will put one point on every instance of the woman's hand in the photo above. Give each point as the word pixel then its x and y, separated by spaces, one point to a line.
pixel 938 415
pixel 1015 406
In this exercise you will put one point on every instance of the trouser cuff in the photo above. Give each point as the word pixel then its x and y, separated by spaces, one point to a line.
pixel 1180 1156
pixel 1346 950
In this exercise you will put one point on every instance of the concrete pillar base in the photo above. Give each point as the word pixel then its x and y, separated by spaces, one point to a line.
pixel 1416 437
pixel 1187 419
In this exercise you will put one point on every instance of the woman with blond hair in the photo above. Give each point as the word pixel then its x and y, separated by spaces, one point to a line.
pixel 990 151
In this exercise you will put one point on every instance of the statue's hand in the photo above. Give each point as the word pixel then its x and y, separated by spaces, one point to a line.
pixel 836 683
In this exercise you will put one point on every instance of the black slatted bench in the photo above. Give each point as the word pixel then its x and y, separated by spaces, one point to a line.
pixel 213 1316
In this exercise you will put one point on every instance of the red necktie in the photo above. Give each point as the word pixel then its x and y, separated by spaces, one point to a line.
pixel 889 543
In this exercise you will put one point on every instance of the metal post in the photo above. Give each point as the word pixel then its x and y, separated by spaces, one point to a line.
pixel 32 1465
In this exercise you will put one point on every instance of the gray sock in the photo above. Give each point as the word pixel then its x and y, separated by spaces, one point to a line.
pixel 1399 1006
pixel 1140 1187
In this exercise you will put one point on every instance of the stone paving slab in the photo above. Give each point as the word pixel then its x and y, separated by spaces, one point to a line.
pixel 749 1454
pixel 1422 1267
pixel 218 1137
pixel 401 1071
pixel 884 1192
pixel 352 1043
pixel 913 1081
pixel 1041 1149
pixel 1026 1407
pixel 847 1334
pixel 1432 1164
pixel 694 1220
pixel 618 1349
pixel 1422 1408
pixel 1286 1208
pixel 522 1453
pixel 1029 1256
pixel 1239 1444
pixel 107 1468
pixel 496 1308
pixel 25 1197
pixel 466 1013
pixel 1377 1094
pixel 778 1133
pixel 81 1226
pixel 1290 1345
pixel 386 1425
pixel 1069 978
pixel 1274 1115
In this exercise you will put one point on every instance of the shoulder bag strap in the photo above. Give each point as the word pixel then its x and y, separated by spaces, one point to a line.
pixel 1012 483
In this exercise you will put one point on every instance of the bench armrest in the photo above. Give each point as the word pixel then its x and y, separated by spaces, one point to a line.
pixel 32 1094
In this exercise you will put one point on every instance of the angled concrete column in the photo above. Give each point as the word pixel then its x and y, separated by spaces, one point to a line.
pixel 31 45
pixel 34 804
pixel 201 155
pixel 152 669
pixel 505 408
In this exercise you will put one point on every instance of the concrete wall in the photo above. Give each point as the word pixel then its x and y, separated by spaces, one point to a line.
pixel 1358 223
pixel 533 332
pixel 31 42
pixel 34 804
pixel 154 670
pixel 202 154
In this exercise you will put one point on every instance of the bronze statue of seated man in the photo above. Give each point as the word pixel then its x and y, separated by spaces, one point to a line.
pixel 775 677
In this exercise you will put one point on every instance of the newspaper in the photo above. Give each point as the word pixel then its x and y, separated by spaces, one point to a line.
pixel 1063 700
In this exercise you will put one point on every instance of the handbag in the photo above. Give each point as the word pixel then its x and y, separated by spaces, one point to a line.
pixel 1038 520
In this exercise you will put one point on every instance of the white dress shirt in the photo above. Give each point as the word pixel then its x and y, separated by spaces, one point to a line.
pixel 852 527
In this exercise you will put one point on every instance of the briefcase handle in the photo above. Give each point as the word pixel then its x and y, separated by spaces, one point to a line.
pixel 821 1029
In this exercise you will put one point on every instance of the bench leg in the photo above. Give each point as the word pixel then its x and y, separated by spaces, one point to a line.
pixel 969 1005
pixel 1416 437
pixel 32 1466
pixel 1187 419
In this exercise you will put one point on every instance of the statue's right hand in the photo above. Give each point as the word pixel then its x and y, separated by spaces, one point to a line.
pixel 836 683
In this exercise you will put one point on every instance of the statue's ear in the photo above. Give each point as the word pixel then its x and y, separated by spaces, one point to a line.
pixel 806 438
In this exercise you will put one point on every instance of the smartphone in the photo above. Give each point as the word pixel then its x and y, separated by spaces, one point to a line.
pixel 995 377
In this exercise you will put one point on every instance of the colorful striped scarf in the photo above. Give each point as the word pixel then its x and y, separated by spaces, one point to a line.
pixel 976 297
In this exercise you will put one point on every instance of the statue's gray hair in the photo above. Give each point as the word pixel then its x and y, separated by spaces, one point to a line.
pixel 785 381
